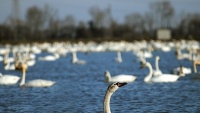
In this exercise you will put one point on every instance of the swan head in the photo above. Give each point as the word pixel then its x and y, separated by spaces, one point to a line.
pixel 144 64
pixel 158 57
pixel 114 86
pixel 24 66
pixel 107 75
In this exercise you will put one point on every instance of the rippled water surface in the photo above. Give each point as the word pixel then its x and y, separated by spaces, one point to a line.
pixel 81 88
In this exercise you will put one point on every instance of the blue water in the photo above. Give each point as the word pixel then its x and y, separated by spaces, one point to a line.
pixel 81 88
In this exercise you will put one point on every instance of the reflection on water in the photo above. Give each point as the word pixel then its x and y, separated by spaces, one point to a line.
pixel 81 88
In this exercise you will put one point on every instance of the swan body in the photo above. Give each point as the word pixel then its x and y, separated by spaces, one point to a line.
pixel 119 78
pixel 34 83
pixel 31 62
pixel 39 83
pixel 110 90
pixel 49 57
pixel 159 78
pixel 8 79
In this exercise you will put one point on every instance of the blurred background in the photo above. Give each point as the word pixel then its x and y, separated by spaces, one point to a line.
pixel 86 20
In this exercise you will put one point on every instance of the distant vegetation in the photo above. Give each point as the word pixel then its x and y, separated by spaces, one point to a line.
pixel 42 24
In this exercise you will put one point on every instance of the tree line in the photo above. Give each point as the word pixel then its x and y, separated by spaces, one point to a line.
pixel 43 24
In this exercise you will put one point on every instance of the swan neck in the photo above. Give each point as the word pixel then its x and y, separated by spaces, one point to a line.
pixel 194 67
pixel 74 57
pixel 157 66
pixel 107 102
pixel 23 77
pixel 149 76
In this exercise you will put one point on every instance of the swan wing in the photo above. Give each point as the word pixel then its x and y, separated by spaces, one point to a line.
pixel 9 79
pixel 39 83
pixel 165 78
pixel 123 78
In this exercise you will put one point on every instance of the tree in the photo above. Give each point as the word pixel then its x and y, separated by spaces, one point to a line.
pixel 163 13
pixel 35 18
pixel 101 17
pixel 136 22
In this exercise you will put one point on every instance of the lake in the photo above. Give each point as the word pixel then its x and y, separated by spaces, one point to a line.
pixel 81 88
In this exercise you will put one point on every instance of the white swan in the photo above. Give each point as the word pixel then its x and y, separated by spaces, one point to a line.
pixel 119 57
pixel 75 60
pixel 157 71
pixel 111 89
pixel 181 56
pixel 159 78
pixel 9 66
pixel 119 78
pixel 8 79
pixel 50 57
pixel 182 70
pixel 34 83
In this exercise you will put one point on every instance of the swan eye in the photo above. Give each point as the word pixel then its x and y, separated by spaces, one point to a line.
pixel 116 83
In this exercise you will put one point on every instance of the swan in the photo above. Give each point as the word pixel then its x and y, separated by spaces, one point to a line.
pixel 110 90
pixel 50 57
pixel 182 70
pixel 157 71
pixel 119 57
pixel 75 60
pixel 159 78
pixel 8 79
pixel 34 83
pixel 119 78
pixel 181 56
pixel 9 66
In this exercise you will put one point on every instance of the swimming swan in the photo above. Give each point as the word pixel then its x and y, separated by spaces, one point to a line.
pixel 111 89
pixel 119 78
pixel 182 70
pixel 159 78
pixel 34 83
pixel 50 57
pixel 8 79
pixel 75 60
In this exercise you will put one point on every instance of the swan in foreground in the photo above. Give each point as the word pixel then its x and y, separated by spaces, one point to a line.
pixel 157 71
pixel 159 78
pixel 34 83
pixel 8 79
pixel 119 57
pixel 119 78
pixel 75 60
pixel 111 89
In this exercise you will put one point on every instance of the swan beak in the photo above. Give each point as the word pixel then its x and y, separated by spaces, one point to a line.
pixel 121 84
pixel 142 66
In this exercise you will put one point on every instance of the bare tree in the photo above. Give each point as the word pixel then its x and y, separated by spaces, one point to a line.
pixel 35 18
pixel 163 13
pixel 101 17
pixel 135 21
